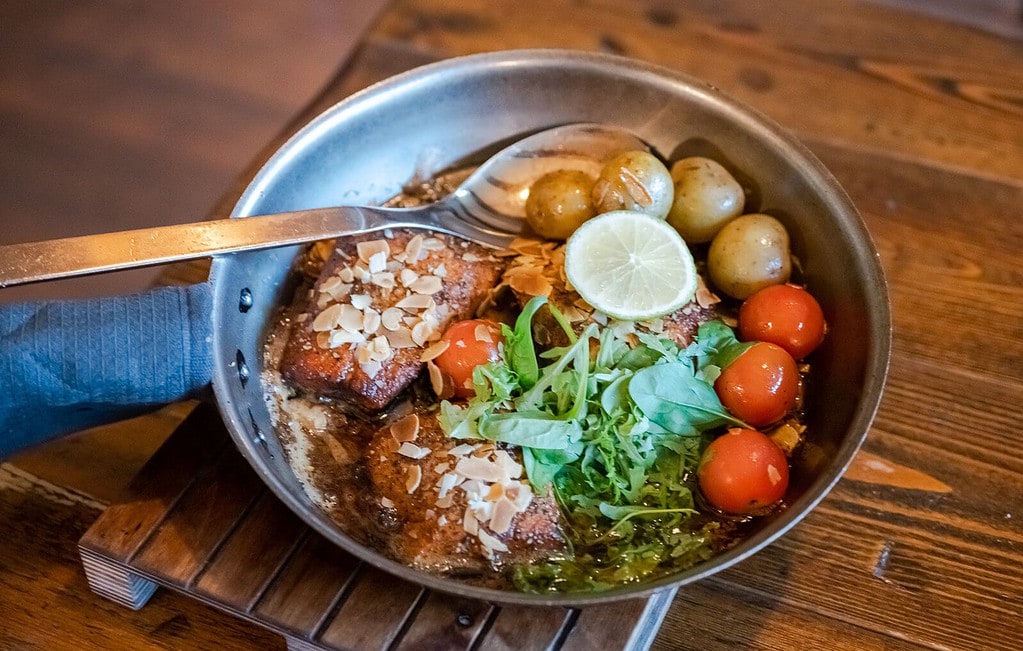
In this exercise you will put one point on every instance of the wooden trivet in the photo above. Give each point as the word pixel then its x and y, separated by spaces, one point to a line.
pixel 201 522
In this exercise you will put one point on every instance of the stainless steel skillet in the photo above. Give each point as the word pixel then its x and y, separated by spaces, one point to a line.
pixel 363 149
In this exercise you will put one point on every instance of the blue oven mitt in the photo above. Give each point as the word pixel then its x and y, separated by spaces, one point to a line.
pixel 70 365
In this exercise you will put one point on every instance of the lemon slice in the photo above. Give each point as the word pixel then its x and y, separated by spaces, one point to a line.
pixel 630 266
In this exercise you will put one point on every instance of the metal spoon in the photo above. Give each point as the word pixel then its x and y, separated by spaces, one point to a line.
pixel 487 208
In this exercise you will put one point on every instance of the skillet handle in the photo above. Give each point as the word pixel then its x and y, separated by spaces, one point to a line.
pixel 70 365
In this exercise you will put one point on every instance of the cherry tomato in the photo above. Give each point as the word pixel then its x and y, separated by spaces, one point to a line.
pixel 786 315
pixel 470 344
pixel 761 386
pixel 743 471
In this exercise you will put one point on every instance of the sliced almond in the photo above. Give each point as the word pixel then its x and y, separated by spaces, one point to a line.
pixel 330 285
pixel 405 429
pixel 339 338
pixel 446 483
pixel 469 256
pixel 400 338
pixel 370 321
pixel 350 318
pixel 379 349
pixel 346 275
pixel 415 302
pixel 383 280
pixel 434 351
pixel 495 493
pixel 412 478
pixel 421 333
pixel 413 451
pixel 407 277
pixel 371 368
pixel 441 271
pixel 470 523
pixel 483 333
pixel 478 468
pixel 327 319
pixel 461 450
pixel 386 503
pixel 502 516
pixel 490 542
pixel 436 378
pixel 427 285
pixel 433 244
pixel 414 248
pixel 391 318
pixel 370 248
pixel 361 301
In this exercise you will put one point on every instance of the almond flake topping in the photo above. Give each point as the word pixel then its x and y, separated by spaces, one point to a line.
pixel 400 338
pixel 327 319
pixel 434 351
pixel 407 277
pixel 376 262
pixel 413 451
pixel 371 368
pixel 427 285
pixel 361 301
pixel 370 321
pixel 405 429
pixel 415 302
pixel 483 333
pixel 383 280
pixel 350 318
pixel 461 450
pixel 391 318
pixel 414 476
pixel 436 378
pixel 414 248
pixel 370 248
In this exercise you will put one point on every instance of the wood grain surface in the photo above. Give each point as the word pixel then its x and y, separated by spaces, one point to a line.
pixel 921 120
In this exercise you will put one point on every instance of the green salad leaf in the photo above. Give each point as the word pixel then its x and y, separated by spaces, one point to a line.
pixel 613 425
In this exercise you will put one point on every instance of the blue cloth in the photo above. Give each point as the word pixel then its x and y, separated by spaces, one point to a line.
pixel 70 365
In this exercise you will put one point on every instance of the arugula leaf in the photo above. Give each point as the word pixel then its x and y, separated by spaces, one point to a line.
pixel 518 343
pixel 537 430
pixel 716 345
pixel 671 396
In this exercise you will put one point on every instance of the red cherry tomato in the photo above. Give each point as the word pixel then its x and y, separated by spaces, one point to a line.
pixel 761 386
pixel 785 315
pixel 743 471
pixel 470 344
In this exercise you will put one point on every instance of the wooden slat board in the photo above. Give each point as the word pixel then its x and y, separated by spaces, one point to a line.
pixel 225 540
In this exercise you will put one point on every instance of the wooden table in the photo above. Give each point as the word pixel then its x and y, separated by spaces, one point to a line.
pixel 921 544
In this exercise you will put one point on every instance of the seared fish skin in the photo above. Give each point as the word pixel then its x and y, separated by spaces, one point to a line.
pixel 378 302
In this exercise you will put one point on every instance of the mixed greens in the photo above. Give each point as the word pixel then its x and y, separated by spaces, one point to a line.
pixel 614 424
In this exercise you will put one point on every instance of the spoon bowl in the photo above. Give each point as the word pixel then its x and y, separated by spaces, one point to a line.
pixel 487 208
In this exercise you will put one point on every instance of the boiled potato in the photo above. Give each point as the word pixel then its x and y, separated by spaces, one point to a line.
pixel 707 197
pixel 749 253
pixel 559 202
pixel 634 180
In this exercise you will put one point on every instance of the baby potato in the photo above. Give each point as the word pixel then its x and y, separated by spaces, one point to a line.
pixel 749 253
pixel 634 180
pixel 707 197
pixel 559 202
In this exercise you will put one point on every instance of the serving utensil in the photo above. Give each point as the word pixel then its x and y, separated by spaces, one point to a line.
pixel 486 208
